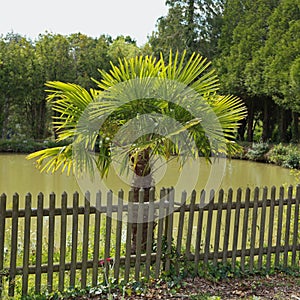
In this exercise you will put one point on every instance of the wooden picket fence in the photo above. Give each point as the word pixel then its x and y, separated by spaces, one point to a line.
pixel 80 244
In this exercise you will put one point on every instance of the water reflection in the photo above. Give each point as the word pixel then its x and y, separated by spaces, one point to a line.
pixel 20 175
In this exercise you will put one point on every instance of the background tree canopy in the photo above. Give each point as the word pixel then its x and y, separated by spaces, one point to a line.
pixel 253 44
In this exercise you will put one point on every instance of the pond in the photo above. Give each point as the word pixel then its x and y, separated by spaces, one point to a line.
pixel 20 175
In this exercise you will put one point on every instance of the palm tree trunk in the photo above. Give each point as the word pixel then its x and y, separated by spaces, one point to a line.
pixel 142 179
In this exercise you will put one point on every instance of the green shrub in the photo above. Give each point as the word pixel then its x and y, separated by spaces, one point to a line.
pixel 286 156
pixel 258 151
pixel 278 154
pixel 293 160
pixel 26 146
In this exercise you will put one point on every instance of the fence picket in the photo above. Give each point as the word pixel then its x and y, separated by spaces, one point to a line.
pixel 287 226
pixel 139 234
pixel 2 236
pixel 85 238
pixel 39 242
pixel 13 246
pixel 236 231
pixel 296 226
pixel 227 227
pixel 279 226
pixel 160 233
pixel 128 235
pixel 199 231
pixel 253 229
pixel 51 227
pixel 74 239
pixel 181 222
pixel 26 243
pixel 262 227
pixel 96 239
pixel 149 246
pixel 208 227
pixel 118 235
pixel 170 228
pixel 245 229
pixel 63 240
pixel 271 227
pixel 190 225
pixel 107 235
pixel 218 227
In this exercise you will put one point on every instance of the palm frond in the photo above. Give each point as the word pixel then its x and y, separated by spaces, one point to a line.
pixel 141 89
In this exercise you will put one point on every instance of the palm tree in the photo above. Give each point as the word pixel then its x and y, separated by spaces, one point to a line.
pixel 143 108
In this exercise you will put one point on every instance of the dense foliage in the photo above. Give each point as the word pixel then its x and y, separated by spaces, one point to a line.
pixel 26 65
pixel 254 46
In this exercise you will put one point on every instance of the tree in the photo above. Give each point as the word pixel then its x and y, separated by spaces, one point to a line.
pixel 16 80
pixel 171 32
pixel 122 47
pixel 239 65
pixel 87 54
pixel 191 25
pixel 144 107
pixel 281 53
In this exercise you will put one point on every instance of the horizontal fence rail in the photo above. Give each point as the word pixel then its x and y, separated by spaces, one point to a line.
pixel 85 240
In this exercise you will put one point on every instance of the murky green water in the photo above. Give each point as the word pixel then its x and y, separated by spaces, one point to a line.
pixel 20 175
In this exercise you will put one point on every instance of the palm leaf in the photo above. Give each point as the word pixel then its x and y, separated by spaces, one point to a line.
pixel 181 88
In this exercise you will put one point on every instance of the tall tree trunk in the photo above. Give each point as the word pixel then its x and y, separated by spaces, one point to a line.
pixel 295 127
pixel 191 35
pixel 242 130
pixel 266 121
pixel 283 126
pixel 250 120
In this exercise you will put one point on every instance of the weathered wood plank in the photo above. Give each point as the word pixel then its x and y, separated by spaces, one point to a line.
pixel 139 234
pixel 218 227
pixel 279 226
pixel 103 209
pixel 190 225
pixel 209 225
pixel 181 222
pixel 26 244
pixel 160 233
pixel 150 233
pixel 253 229
pixel 32 269
pixel 39 242
pixel 245 228
pixel 271 228
pixel 85 238
pixel 2 236
pixel 51 230
pixel 287 226
pixel 108 235
pixel 96 240
pixel 13 246
pixel 227 227
pixel 296 226
pixel 199 231
pixel 262 228
pixel 63 241
pixel 118 235
pixel 236 227
pixel 169 229
pixel 128 235
pixel 74 240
